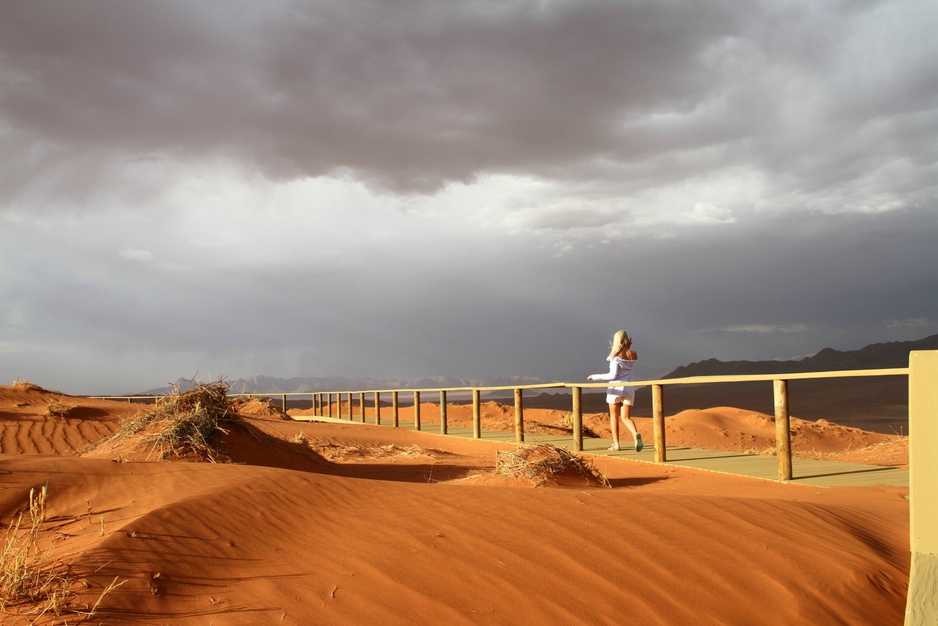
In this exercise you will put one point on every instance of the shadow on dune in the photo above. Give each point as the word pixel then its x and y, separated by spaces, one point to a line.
pixel 86 412
pixel 246 444
pixel 635 482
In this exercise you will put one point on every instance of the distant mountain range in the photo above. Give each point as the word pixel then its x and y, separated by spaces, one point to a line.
pixel 874 356
pixel 269 384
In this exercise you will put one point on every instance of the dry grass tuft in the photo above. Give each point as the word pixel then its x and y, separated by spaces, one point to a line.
pixel 539 462
pixel 256 405
pixel 27 578
pixel 57 408
pixel 334 452
pixel 25 385
pixel 32 583
pixel 567 422
pixel 183 423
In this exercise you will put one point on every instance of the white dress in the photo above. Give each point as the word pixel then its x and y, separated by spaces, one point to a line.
pixel 620 371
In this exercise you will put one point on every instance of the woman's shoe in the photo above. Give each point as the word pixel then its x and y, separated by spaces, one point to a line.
pixel 638 443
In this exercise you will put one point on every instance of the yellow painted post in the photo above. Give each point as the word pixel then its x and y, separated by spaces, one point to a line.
pixel 577 417
pixel 476 415
pixel 329 404
pixel 395 416
pixel 416 410
pixel 921 607
pixel 782 430
pixel 377 408
pixel 519 417
pixel 443 412
pixel 657 408
pixel 361 404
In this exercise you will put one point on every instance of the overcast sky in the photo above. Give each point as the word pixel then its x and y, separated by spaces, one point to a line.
pixel 473 189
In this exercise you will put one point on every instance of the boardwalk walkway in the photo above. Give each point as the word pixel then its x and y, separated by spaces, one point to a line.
pixel 805 471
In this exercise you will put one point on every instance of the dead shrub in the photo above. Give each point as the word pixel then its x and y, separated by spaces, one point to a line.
pixel 183 423
pixel 57 408
pixel 334 452
pixel 540 462
pixel 25 385
pixel 567 422
pixel 256 405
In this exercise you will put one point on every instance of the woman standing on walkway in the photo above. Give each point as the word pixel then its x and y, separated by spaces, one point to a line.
pixel 620 399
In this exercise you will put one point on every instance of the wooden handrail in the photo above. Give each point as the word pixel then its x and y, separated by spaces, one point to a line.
pixel 780 392
pixel 322 402
pixel 689 380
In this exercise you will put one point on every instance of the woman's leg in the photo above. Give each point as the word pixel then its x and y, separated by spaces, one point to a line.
pixel 614 424
pixel 629 423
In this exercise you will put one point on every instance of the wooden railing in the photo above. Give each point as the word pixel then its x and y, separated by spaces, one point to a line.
pixel 323 401
pixel 922 374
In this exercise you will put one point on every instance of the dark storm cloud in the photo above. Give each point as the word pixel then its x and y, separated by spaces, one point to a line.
pixel 408 95
pixel 465 188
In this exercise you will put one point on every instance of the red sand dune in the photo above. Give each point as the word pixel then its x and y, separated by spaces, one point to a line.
pixel 357 524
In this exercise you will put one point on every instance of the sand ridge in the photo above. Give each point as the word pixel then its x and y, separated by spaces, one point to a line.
pixel 354 524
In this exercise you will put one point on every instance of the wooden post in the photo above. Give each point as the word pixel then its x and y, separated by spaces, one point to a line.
pixel 416 410
pixel 921 608
pixel 361 404
pixel 329 404
pixel 443 412
pixel 782 430
pixel 315 404
pixel 284 403
pixel 657 404
pixel 577 417
pixel 519 417
pixel 377 408
pixel 395 416
pixel 476 415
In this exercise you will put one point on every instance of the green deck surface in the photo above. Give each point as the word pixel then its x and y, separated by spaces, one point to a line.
pixel 804 471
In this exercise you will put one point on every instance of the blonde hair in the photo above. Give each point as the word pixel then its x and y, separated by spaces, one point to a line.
pixel 621 341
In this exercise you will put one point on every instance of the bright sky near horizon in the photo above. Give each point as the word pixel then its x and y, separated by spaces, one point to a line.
pixel 468 189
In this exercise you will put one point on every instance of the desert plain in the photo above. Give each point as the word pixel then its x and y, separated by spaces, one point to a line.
pixel 304 522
